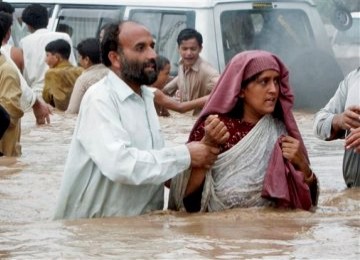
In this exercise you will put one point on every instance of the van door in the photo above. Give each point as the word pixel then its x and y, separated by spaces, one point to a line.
pixel 286 29
pixel 282 31
pixel 165 26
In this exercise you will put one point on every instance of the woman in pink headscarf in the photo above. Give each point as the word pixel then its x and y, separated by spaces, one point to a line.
pixel 263 159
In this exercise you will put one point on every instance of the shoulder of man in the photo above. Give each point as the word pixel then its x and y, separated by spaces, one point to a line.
pixel 24 40
pixel 8 67
pixel 53 73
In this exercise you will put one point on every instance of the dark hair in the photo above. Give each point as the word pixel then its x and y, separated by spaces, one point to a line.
pixel 189 33
pixel 59 46
pixel 161 62
pixel 65 28
pixel 238 110
pixel 90 48
pixel 36 16
pixel 247 81
pixel 5 24
pixel 110 42
pixel 6 7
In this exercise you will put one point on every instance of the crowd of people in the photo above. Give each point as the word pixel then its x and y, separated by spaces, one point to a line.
pixel 244 150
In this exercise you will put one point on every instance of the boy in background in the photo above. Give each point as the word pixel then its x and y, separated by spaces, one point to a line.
pixel 61 75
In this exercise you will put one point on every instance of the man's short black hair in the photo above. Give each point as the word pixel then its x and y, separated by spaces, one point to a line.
pixel 90 48
pixel 110 42
pixel 189 33
pixel 65 28
pixel 36 16
pixel 60 47
pixel 5 24
pixel 7 8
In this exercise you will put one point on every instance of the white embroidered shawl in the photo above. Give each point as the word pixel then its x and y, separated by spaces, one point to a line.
pixel 236 178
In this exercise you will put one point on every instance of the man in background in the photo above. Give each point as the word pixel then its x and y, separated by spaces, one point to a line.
pixel 339 119
pixel 90 60
pixel 61 75
pixel 10 94
pixel 196 77
pixel 36 17
pixel 29 99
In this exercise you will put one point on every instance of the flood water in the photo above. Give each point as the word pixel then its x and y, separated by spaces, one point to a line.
pixel 29 186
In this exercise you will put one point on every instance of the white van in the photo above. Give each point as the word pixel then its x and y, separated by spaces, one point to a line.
pixel 291 29
pixel 346 45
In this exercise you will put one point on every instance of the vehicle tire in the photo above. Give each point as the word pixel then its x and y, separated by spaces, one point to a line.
pixel 314 76
pixel 341 18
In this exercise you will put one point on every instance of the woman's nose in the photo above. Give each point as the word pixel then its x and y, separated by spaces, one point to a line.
pixel 273 86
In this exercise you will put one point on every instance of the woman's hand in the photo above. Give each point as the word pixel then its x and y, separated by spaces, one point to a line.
pixel 292 151
pixel 216 133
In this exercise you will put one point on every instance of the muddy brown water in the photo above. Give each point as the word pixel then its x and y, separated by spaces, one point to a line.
pixel 29 186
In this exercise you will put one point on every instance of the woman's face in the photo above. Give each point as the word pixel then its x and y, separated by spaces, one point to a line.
pixel 260 96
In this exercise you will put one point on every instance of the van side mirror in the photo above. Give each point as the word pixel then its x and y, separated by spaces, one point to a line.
pixel 341 18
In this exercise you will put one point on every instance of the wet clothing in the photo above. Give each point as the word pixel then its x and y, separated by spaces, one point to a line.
pixel 244 173
pixel 117 162
pixel 33 46
pixel 230 184
pixel 59 84
pixel 347 94
pixel 28 97
pixel 193 83
pixel 237 128
pixel 10 94
pixel 88 78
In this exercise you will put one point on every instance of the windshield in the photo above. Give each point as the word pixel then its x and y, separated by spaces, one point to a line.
pixel 165 26
pixel 278 31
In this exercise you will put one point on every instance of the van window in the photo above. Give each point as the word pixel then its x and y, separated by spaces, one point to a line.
pixel 82 22
pixel 277 31
pixel 19 29
pixel 165 26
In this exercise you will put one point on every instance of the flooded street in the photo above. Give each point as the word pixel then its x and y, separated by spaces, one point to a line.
pixel 29 187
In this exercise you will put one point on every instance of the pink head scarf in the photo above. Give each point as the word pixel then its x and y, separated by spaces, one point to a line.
pixel 282 182
pixel 225 95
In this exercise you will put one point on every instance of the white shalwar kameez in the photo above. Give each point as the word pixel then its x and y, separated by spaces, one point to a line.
pixel 33 46
pixel 117 162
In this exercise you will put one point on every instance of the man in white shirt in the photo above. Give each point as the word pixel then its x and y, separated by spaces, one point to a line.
pixel 29 99
pixel 340 118
pixel 36 17
pixel 117 162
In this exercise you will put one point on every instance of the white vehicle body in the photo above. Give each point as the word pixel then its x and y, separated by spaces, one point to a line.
pixel 291 29
pixel 346 45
